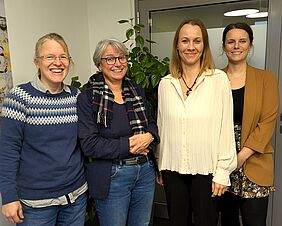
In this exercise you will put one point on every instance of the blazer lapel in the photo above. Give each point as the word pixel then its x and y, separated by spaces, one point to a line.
pixel 250 100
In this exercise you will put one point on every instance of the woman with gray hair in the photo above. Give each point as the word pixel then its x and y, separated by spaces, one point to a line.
pixel 118 135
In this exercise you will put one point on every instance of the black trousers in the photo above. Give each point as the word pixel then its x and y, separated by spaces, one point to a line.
pixel 187 194
pixel 253 210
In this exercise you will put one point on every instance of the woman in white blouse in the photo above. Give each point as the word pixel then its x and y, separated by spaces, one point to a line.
pixel 195 118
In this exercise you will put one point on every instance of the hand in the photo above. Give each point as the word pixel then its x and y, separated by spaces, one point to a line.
pixel 243 155
pixel 159 179
pixel 142 152
pixel 139 143
pixel 218 189
pixel 13 212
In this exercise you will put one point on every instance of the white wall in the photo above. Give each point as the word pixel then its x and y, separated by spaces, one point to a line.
pixel 28 20
pixel 103 17
pixel 81 22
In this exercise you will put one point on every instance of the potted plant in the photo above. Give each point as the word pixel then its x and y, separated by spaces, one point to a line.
pixel 144 67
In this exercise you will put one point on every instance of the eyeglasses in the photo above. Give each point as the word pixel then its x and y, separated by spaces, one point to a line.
pixel 112 60
pixel 51 58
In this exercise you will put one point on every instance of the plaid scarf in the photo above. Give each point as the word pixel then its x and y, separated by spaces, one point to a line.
pixel 103 100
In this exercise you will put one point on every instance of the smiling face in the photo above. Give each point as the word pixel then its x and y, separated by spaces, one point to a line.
pixel 52 73
pixel 237 45
pixel 113 73
pixel 190 45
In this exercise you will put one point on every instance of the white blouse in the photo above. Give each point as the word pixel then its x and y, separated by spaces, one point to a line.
pixel 196 133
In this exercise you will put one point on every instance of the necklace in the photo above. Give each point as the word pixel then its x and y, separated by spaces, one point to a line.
pixel 189 89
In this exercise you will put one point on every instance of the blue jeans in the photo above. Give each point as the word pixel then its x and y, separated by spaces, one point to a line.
pixel 60 215
pixel 130 197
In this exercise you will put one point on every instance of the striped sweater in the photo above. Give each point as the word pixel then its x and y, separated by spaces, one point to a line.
pixel 39 154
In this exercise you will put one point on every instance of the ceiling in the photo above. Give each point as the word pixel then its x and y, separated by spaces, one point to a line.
pixel 211 15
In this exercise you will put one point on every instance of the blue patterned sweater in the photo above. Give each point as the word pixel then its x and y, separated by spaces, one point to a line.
pixel 39 154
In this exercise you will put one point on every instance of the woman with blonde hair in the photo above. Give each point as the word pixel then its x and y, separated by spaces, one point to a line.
pixel 197 149
pixel 42 178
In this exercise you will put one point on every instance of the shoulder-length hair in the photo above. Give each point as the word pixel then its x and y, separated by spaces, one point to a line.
pixel 102 46
pixel 206 60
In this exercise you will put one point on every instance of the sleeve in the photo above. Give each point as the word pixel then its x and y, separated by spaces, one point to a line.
pixel 11 139
pixel 152 124
pixel 262 134
pixel 159 116
pixel 227 157
pixel 93 144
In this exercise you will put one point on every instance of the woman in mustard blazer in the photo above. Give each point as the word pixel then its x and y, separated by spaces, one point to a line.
pixel 256 102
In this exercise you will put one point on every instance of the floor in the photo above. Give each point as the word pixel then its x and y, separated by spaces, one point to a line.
pixel 160 222
pixel 156 222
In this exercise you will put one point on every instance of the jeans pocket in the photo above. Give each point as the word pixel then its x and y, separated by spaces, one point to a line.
pixel 151 163
pixel 114 171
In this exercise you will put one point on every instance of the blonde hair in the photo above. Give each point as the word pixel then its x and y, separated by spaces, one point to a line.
pixel 51 36
pixel 206 60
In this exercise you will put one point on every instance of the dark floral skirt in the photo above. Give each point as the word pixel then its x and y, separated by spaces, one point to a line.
pixel 240 184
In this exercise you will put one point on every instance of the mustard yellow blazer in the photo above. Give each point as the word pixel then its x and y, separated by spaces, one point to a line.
pixel 261 104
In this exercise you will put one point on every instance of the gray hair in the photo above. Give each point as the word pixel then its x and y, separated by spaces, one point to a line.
pixel 102 46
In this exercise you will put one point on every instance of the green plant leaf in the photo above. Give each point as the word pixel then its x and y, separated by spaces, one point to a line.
pixel 137 28
pixel 166 60
pixel 123 21
pixel 146 49
pixel 74 78
pixel 139 77
pixel 129 33
pixel 139 40
pixel 155 79
pixel 136 50
pixel 144 67
pixel 149 64
pixel 164 70
pixel 146 83
pixel 140 25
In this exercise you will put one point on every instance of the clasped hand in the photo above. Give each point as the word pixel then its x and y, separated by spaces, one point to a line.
pixel 139 143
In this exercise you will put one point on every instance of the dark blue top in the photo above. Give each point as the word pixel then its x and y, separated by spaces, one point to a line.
pixel 105 144
pixel 39 154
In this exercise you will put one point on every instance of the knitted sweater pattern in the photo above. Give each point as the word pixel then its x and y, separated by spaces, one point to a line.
pixel 40 156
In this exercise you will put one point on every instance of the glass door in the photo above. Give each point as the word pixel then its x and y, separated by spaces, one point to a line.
pixel 164 23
